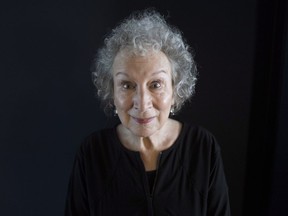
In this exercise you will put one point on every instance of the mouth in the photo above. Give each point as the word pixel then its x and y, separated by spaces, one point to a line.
pixel 143 120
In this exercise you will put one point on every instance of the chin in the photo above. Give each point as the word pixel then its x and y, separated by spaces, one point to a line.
pixel 142 132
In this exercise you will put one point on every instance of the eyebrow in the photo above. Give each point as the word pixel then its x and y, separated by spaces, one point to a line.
pixel 153 74
pixel 121 73
pixel 158 72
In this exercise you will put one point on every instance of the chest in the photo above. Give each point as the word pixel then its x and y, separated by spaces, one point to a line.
pixel 129 193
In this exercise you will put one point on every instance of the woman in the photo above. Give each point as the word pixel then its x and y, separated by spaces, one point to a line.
pixel 149 164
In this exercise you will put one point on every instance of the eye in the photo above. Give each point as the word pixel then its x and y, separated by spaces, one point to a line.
pixel 156 84
pixel 127 85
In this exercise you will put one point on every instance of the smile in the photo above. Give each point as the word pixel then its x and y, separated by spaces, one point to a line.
pixel 143 120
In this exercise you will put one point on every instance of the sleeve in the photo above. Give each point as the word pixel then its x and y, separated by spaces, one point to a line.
pixel 218 198
pixel 76 200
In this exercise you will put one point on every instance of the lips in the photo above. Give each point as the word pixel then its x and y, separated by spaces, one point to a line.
pixel 143 120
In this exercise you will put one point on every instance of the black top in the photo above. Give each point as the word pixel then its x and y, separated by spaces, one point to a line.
pixel 108 179
pixel 151 179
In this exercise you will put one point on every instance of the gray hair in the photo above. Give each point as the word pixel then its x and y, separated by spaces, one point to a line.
pixel 138 34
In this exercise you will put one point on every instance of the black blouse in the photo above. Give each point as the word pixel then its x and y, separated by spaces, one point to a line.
pixel 108 179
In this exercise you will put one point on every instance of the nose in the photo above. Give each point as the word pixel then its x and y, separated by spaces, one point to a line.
pixel 142 99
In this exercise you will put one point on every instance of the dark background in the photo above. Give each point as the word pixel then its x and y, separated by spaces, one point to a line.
pixel 48 105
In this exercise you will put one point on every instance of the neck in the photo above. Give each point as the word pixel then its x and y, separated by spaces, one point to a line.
pixel 157 142
pixel 150 147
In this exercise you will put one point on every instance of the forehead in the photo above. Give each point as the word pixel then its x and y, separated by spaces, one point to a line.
pixel 151 62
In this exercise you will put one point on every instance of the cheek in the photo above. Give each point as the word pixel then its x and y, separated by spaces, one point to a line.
pixel 165 100
pixel 121 101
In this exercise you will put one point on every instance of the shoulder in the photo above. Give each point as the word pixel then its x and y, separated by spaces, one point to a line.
pixel 198 135
pixel 200 155
pixel 197 142
pixel 99 145
pixel 94 164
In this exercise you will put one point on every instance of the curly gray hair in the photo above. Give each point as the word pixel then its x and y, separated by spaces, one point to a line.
pixel 138 34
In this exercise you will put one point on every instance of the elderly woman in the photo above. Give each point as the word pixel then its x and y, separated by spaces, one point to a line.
pixel 149 164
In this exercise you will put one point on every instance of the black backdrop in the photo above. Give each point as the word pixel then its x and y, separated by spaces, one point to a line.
pixel 48 104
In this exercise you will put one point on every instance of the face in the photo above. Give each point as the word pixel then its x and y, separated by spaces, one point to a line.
pixel 143 91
